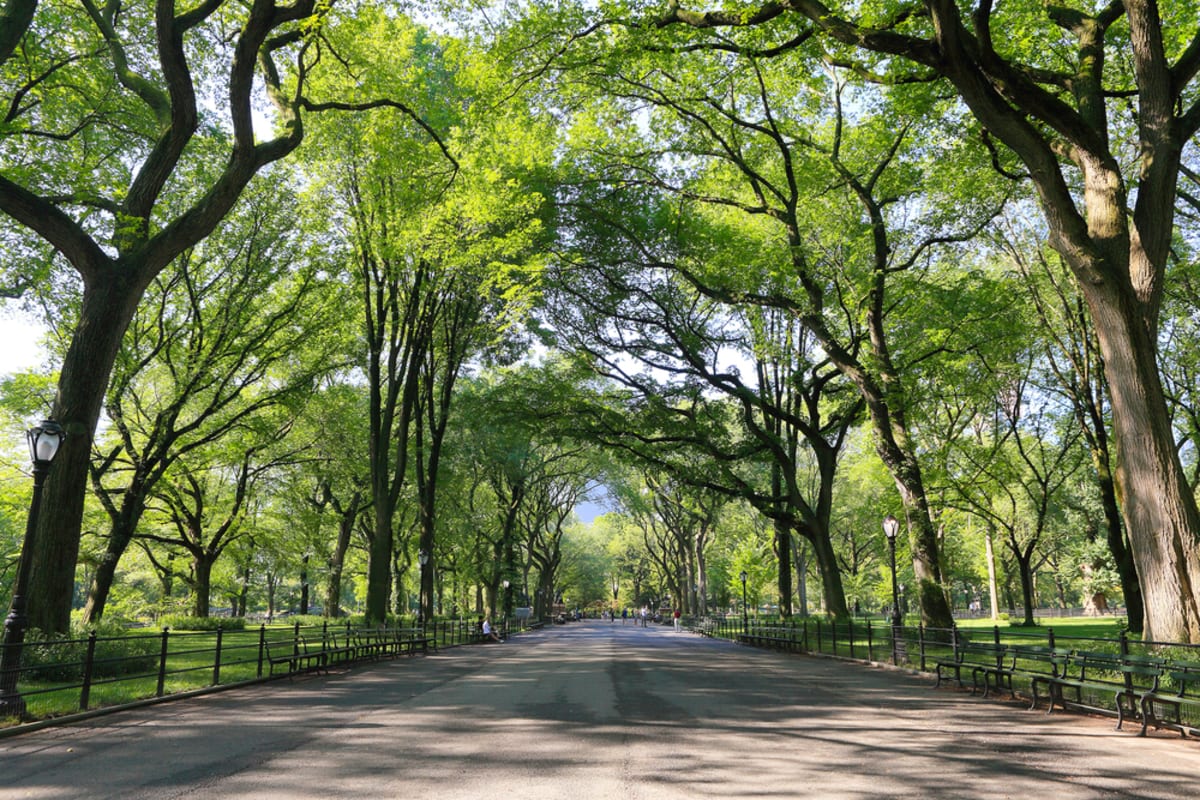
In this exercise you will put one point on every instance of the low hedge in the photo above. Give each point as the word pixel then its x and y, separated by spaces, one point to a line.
pixel 61 657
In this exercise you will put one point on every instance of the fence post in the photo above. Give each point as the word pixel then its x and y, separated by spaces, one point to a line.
pixel 921 643
pixel 819 649
pixel 1124 639
pixel 216 679
pixel 833 634
pixel 850 634
pixel 88 660
pixel 162 662
pixel 870 642
pixel 262 646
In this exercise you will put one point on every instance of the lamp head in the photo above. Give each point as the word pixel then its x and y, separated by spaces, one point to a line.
pixel 891 526
pixel 44 441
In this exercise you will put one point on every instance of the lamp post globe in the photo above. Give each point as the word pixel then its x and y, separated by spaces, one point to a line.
pixel 44 442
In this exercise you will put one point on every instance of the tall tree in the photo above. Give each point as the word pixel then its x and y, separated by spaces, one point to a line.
pixel 754 173
pixel 237 327
pixel 205 509
pixel 1017 475
pixel 430 225
pixel 790 396
pixel 110 159
pixel 1068 91
pixel 1073 357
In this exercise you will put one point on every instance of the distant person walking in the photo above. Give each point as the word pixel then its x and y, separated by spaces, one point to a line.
pixel 677 622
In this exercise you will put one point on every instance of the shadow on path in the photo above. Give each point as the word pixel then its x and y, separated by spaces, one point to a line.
pixel 597 709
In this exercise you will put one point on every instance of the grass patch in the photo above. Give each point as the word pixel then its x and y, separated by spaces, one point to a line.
pixel 189 665
pixel 1067 627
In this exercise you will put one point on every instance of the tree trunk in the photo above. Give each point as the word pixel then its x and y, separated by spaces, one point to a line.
pixel 802 573
pixel 989 555
pixel 304 585
pixel 201 585
pixel 922 538
pixel 108 306
pixel 102 580
pixel 243 594
pixel 832 592
pixel 1159 509
pixel 1026 570
pixel 1121 553
pixel 333 590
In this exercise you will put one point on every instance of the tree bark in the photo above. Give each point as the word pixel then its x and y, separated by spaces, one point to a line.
pixel 202 566
pixel 108 306
pixel 1118 259
pixel 1159 508
pixel 783 547
pixel 333 590
pixel 120 534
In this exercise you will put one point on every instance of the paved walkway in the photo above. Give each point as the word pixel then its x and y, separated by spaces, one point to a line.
pixel 597 710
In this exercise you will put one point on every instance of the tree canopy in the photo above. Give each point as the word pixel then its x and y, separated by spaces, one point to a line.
pixel 348 295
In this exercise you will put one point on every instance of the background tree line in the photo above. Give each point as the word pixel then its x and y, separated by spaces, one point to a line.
pixel 340 299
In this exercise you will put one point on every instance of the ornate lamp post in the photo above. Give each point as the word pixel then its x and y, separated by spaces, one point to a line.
pixel 422 559
pixel 616 587
pixel 745 611
pixel 891 526
pixel 44 441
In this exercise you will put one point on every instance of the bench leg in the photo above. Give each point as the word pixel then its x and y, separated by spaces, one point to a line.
pixel 1034 704
pixel 1147 713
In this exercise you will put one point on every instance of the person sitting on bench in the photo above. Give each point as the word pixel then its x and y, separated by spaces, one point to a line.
pixel 489 635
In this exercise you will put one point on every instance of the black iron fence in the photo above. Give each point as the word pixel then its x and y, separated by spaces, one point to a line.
pixel 66 676
pixel 1161 666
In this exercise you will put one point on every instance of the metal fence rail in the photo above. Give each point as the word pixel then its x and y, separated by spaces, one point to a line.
pixel 66 676
pixel 919 647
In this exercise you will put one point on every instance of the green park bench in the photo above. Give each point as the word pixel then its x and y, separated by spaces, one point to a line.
pixel 1184 691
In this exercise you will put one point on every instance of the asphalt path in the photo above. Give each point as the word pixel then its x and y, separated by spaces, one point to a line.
pixel 597 710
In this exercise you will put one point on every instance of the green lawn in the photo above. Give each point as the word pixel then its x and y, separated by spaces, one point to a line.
pixel 189 665
pixel 1072 627
pixel 190 661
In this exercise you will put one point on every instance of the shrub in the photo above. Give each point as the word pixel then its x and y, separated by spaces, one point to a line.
pixel 61 658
